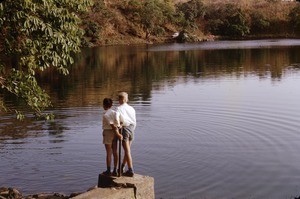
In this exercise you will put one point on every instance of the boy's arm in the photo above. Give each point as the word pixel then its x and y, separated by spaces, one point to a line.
pixel 116 130
pixel 118 119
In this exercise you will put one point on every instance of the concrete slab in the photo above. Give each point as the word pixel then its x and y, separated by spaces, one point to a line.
pixel 137 187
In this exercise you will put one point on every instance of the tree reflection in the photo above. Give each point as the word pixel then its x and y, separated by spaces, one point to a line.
pixel 12 129
pixel 104 71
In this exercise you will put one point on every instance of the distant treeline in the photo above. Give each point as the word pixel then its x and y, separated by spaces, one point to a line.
pixel 154 19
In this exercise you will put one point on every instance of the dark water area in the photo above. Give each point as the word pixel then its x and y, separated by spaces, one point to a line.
pixel 216 120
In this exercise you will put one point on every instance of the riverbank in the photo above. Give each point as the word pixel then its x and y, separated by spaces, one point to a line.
pixel 109 187
pixel 181 37
pixel 14 193
pixel 150 22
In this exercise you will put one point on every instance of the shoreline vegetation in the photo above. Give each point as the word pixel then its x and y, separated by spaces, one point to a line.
pixel 119 22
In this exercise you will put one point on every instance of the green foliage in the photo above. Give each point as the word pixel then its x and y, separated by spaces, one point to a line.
pixel 37 34
pixel 236 19
pixel 192 10
pixel 295 19
pixel 152 16
pixel 24 85
pixel 259 22
pixel 103 13
pixel 169 10
pixel 132 9
pixel 92 30
pixel 228 21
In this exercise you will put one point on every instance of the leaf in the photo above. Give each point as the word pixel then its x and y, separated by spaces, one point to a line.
pixel 39 35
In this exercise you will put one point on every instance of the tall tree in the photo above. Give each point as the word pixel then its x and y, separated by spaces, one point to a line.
pixel 37 34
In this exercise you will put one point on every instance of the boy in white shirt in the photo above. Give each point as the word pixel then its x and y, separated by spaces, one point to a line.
pixel 128 122
pixel 110 124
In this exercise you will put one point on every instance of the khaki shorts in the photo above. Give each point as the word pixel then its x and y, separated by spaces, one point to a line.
pixel 108 136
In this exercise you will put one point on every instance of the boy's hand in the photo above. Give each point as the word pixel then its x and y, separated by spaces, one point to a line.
pixel 120 136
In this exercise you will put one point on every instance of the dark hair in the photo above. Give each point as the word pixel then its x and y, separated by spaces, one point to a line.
pixel 107 102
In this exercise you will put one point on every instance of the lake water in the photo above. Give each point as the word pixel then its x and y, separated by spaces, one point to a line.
pixel 216 120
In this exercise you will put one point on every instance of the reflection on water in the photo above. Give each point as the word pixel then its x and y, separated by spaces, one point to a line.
pixel 215 120
pixel 103 71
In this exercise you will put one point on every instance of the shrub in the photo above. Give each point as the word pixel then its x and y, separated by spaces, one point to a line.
pixel 259 22
pixel 192 10
pixel 227 21
pixel 294 17
pixel 152 16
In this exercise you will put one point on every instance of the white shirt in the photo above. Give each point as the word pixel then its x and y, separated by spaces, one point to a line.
pixel 127 115
pixel 110 117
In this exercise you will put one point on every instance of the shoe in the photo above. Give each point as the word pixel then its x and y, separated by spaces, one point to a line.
pixel 122 171
pixel 128 173
pixel 114 173
pixel 107 173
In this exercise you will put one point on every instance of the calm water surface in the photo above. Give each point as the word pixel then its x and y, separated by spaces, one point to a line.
pixel 216 120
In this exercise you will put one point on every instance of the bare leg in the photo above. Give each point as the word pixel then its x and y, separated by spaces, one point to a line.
pixel 127 154
pixel 115 153
pixel 108 149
